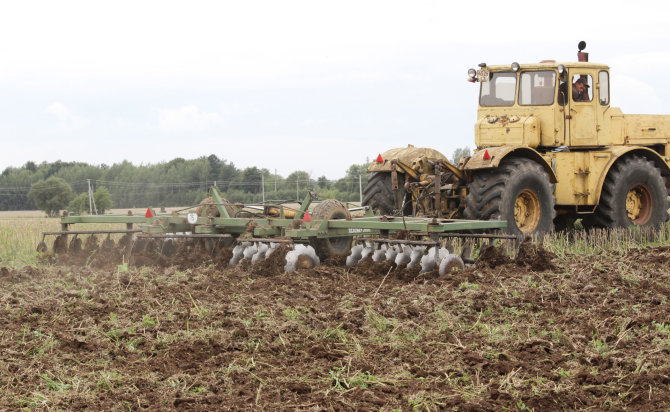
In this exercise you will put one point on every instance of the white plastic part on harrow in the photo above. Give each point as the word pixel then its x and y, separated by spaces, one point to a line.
pixel 428 258
pixel 300 256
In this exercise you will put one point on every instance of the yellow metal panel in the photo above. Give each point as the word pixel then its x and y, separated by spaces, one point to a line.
pixel 614 134
pixel 646 129
pixel 578 175
pixel 495 155
pixel 531 132
pixel 581 175
pixel 489 130
pixel 565 164
pixel 492 131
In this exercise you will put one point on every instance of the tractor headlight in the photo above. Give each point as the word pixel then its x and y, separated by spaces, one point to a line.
pixel 472 73
pixel 515 67
pixel 561 69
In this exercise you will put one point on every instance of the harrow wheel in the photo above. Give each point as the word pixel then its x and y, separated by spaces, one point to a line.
pixel 331 209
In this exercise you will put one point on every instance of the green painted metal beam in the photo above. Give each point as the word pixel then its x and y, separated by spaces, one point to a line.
pixel 219 202
pixel 106 219
pixel 291 228
pixel 413 225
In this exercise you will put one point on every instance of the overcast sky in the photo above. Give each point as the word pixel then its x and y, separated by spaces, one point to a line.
pixel 288 85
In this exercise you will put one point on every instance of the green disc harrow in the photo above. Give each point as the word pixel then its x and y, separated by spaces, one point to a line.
pixel 308 237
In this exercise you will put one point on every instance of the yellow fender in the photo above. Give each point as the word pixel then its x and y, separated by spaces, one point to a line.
pixel 618 151
pixel 490 158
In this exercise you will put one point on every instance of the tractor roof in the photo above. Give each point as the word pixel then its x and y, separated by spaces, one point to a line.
pixel 548 65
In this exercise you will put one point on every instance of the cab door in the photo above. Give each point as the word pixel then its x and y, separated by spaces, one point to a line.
pixel 582 112
pixel 604 121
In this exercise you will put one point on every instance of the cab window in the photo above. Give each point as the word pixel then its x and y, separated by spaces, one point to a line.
pixel 537 87
pixel 582 88
pixel 499 90
pixel 604 87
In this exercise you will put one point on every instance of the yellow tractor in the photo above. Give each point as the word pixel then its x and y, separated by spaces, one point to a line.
pixel 550 150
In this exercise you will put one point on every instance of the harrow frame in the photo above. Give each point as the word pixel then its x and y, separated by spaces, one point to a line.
pixel 370 230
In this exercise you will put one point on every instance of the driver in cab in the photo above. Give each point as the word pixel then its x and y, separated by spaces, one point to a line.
pixel 580 91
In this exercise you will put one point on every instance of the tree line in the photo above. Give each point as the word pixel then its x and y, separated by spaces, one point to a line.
pixel 80 187
pixel 177 182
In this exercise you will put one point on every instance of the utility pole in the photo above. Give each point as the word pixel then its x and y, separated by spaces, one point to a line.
pixel 91 200
pixel 263 186
pixel 360 188
pixel 275 180
pixel 90 205
pixel 297 191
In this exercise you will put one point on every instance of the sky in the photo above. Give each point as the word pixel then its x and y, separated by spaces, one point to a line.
pixel 290 85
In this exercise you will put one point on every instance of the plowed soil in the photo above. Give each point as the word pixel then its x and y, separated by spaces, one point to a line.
pixel 532 333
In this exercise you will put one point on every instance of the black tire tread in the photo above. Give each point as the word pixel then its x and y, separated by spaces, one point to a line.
pixel 331 209
pixel 378 194
pixel 486 192
pixel 607 210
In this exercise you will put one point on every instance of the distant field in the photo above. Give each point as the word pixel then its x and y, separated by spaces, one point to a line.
pixel 21 213
pixel 21 231
pixel 38 213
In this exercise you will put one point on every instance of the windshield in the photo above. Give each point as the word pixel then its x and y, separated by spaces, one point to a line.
pixel 499 90
pixel 537 88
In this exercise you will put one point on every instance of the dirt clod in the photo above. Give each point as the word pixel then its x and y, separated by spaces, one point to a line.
pixel 492 256
pixel 535 257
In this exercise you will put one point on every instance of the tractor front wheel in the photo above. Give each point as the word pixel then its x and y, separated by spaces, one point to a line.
pixel 518 191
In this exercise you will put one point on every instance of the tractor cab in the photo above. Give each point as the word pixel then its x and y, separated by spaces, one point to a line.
pixel 542 105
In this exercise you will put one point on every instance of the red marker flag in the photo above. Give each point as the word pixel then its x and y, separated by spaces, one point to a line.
pixel 379 159
pixel 487 156
pixel 148 214
pixel 307 217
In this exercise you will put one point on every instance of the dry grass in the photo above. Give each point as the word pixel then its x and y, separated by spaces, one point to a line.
pixel 596 241
pixel 20 236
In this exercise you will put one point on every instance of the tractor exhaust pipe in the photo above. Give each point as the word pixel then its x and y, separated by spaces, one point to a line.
pixel 582 56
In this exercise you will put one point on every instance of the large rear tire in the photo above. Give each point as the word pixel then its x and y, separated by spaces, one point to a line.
pixel 379 196
pixel 518 191
pixel 331 209
pixel 634 194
